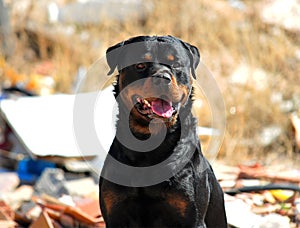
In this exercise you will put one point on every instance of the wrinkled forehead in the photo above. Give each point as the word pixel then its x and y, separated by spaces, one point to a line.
pixel 152 51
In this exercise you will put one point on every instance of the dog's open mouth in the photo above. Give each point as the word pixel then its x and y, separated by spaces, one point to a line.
pixel 161 107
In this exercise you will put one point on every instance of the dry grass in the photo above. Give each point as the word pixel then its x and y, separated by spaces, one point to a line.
pixel 226 38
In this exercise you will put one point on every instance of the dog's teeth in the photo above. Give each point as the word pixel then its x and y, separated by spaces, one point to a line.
pixel 147 103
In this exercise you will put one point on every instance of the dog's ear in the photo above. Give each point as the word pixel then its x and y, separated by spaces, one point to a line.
pixel 196 59
pixel 194 56
pixel 113 56
pixel 115 53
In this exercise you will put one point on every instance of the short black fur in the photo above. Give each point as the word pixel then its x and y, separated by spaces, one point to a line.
pixel 191 197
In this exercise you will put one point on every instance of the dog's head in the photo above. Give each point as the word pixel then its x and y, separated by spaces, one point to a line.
pixel 155 78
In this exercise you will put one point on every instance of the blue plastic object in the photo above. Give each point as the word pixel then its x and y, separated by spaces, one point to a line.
pixel 29 169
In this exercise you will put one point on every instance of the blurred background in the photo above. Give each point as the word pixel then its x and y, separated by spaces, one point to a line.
pixel 251 47
pixel 47 47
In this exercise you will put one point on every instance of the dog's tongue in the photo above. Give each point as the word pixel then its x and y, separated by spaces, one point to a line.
pixel 162 108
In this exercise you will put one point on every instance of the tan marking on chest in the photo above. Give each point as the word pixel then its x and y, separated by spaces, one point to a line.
pixel 110 199
pixel 178 203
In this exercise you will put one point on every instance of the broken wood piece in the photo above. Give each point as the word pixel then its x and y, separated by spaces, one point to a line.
pixel 65 220
pixel 89 206
pixel 6 216
pixel 43 221
pixel 260 172
pixel 6 213
pixel 69 210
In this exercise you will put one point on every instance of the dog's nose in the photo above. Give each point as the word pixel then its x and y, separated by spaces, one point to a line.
pixel 161 78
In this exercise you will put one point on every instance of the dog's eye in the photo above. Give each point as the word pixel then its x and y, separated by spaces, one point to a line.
pixel 140 66
pixel 176 65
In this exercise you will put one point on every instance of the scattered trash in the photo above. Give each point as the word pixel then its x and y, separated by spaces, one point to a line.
pixel 81 187
pixel 267 199
pixel 274 220
pixel 8 181
pixel 43 221
pixel 260 196
pixel 29 170
pixel 53 201
pixel 246 218
pixel 6 216
pixel 51 182
pixel 50 117
pixel 16 198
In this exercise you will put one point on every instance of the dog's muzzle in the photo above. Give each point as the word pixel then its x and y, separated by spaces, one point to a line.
pixel 163 78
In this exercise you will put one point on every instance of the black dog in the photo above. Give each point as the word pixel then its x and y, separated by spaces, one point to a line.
pixel 170 184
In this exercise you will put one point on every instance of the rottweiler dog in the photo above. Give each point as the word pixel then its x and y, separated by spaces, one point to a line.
pixel 166 182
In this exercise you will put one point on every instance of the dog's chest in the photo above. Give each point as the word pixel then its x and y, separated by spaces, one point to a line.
pixel 157 198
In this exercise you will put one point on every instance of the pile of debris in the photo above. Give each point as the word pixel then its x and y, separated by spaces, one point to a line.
pixel 254 197
pixel 257 196
pixel 57 199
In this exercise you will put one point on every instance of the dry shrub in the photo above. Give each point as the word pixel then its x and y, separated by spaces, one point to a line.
pixel 226 38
